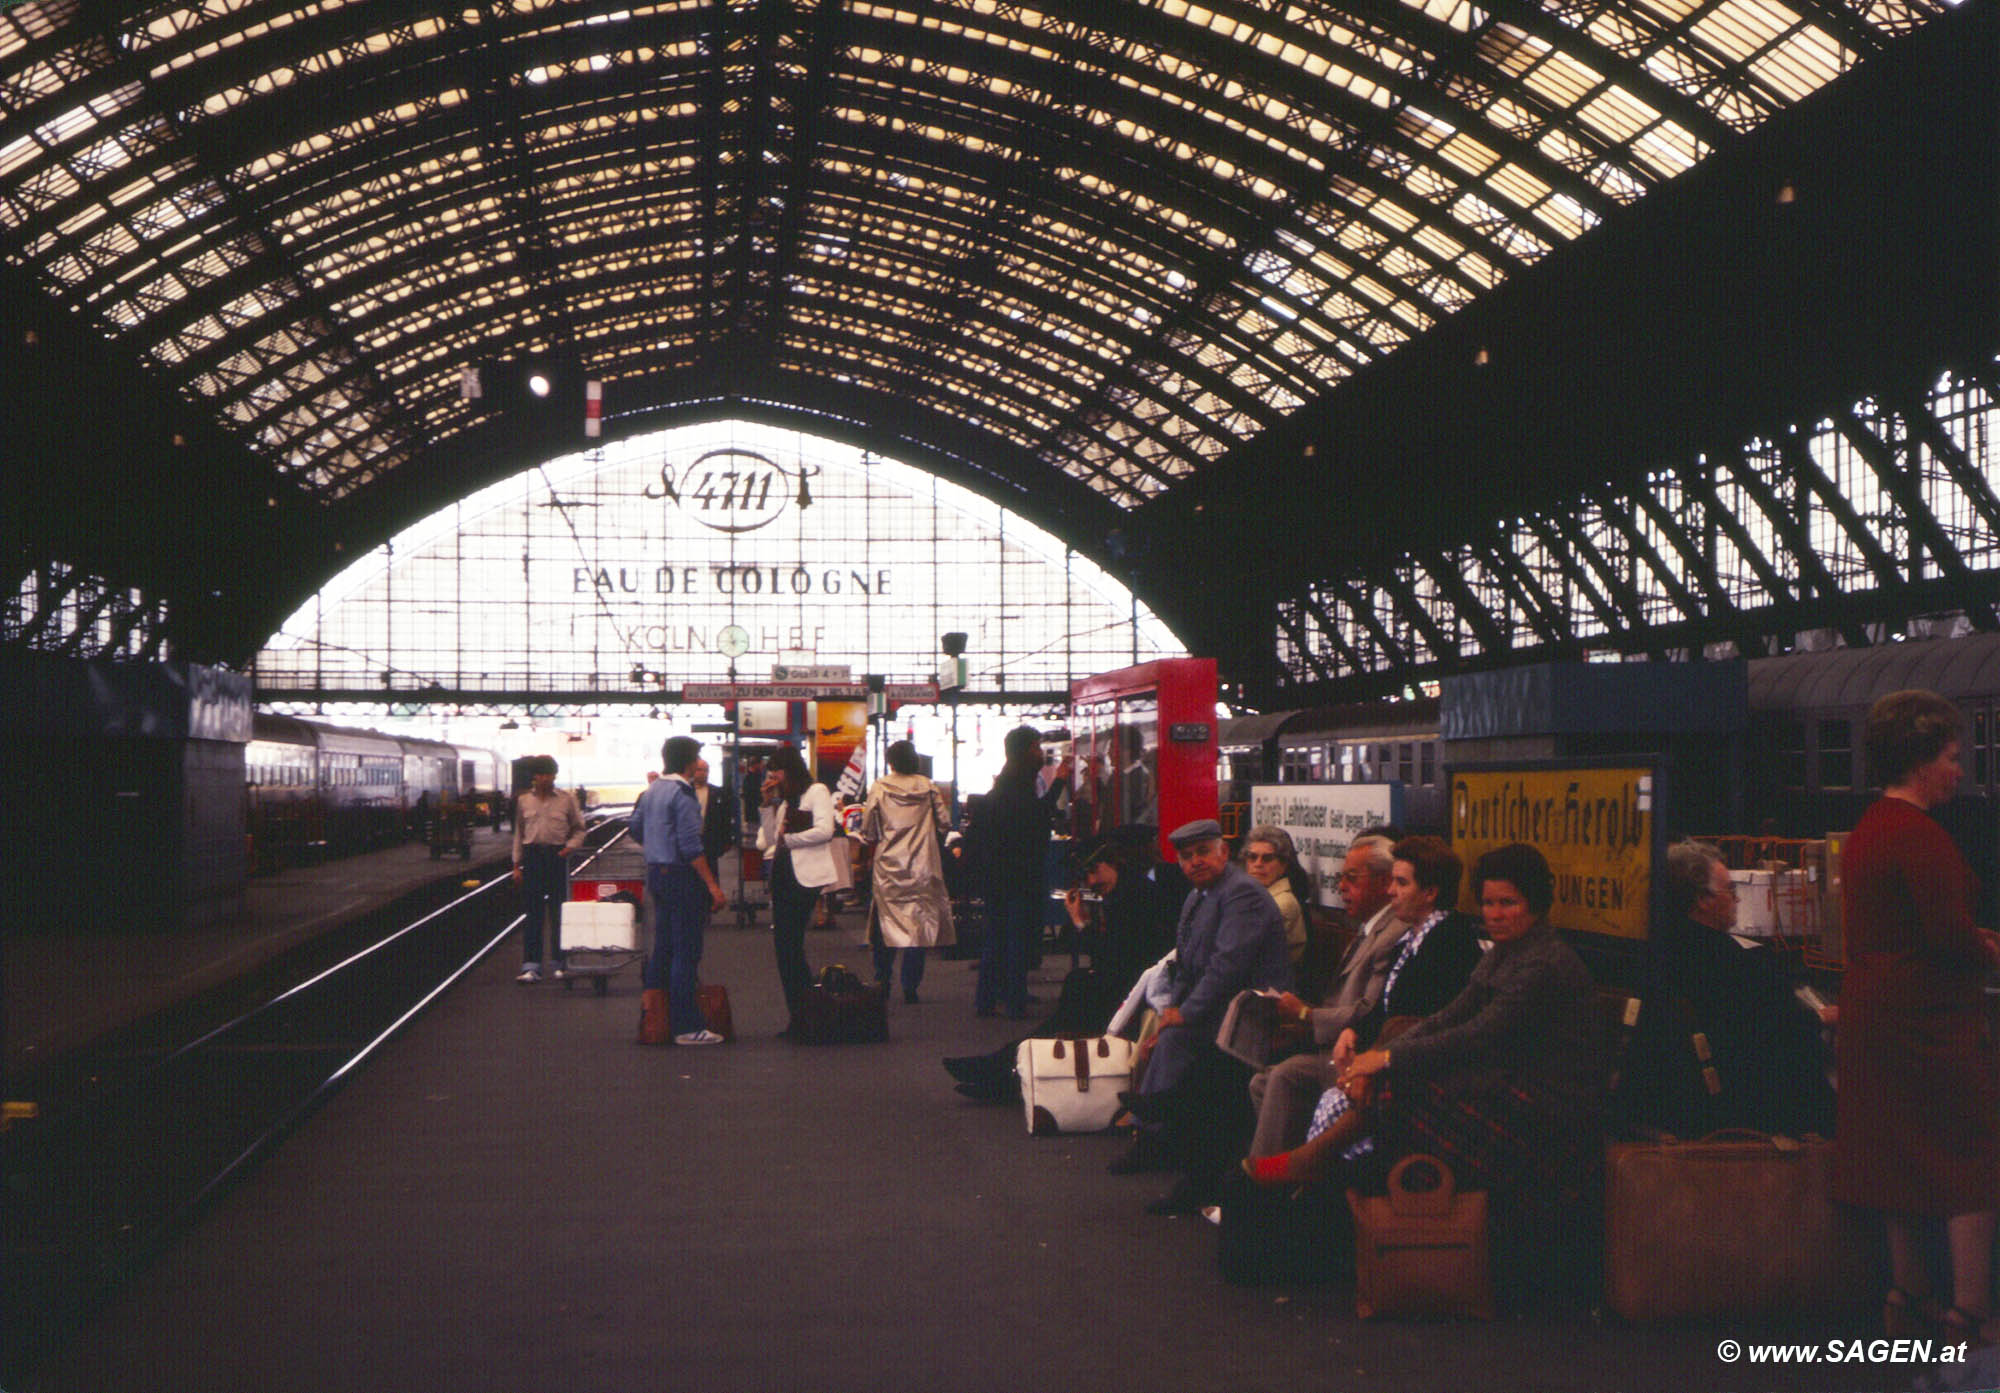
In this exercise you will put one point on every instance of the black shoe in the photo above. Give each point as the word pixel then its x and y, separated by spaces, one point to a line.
pixel 1145 1154
pixel 1183 1199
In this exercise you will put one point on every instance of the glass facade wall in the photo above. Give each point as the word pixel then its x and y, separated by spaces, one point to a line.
pixel 690 554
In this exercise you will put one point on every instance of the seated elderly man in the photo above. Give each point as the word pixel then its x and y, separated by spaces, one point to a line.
pixel 1230 938
pixel 1285 1093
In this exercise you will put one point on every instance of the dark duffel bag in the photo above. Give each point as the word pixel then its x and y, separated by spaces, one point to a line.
pixel 840 1009
pixel 1283 1236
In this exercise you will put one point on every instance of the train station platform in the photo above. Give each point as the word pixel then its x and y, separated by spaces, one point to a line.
pixel 65 989
pixel 514 1196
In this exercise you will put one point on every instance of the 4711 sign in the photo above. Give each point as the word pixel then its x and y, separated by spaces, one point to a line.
pixel 732 489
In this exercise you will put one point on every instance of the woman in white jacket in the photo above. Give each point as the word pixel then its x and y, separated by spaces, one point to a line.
pixel 905 824
pixel 795 832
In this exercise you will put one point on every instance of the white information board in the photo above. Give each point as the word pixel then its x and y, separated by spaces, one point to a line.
pixel 1323 820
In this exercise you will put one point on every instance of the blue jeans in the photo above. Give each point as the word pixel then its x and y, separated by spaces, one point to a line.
pixel 1012 919
pixel 913 965
pixel 680 918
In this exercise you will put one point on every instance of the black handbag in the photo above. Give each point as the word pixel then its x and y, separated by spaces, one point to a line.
pixel 840 1009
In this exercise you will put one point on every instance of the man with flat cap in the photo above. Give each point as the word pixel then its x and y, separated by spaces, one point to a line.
pixel 1230 938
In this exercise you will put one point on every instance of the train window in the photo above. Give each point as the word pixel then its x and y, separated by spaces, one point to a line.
pixel 1406 762
pixel 1427 752
pixel 1981 763
pixel 1836 754
pixel 1787 746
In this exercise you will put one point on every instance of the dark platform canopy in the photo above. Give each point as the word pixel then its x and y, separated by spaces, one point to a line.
pixel 1301 289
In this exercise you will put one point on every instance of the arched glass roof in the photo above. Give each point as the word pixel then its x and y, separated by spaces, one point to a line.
pixel 1083 247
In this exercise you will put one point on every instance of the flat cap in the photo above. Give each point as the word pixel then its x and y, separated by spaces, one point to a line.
pixel 1202 829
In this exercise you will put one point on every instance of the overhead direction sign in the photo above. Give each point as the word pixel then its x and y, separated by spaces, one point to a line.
pixel 806 691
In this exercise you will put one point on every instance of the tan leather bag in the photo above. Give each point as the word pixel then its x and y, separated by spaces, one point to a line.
pixel 712 1000
pixel 1421 1251
pixel 1739 1223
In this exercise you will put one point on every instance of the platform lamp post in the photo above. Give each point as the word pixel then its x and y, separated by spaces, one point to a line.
pixel 951 678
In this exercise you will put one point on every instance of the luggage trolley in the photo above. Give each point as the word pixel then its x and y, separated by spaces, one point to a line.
pixel 600 920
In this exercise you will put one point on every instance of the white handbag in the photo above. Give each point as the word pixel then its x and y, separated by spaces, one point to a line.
pixel 1072 1085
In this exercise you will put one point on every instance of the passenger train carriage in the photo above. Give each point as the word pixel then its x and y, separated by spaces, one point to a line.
pixel 315 790
pixel 1803 771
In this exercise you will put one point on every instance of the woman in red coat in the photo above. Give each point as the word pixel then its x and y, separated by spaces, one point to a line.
pixel 1917 1133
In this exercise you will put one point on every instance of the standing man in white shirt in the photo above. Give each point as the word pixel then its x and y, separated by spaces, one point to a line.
pixel 548 827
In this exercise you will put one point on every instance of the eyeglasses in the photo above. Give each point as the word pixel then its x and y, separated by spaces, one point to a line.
pixel 1346 876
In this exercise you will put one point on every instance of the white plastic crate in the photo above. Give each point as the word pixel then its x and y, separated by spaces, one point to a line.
pixel 601 925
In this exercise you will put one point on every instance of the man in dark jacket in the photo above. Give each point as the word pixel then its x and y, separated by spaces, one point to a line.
pixel 1009 844
pixel 718 815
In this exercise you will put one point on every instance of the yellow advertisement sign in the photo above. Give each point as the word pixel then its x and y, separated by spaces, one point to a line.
pixel 838 729
pixel 1594 825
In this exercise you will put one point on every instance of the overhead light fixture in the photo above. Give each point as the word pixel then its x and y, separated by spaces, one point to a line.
pixel 539 384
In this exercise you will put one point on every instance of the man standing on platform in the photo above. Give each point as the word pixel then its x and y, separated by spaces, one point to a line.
pixel 666 822
pixel 548 826
pixel 718 815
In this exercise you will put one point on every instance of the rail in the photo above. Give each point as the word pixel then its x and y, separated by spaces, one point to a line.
pixel 144 1134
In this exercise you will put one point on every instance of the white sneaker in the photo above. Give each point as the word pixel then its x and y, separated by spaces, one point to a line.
pixel 698 1037
pixel 559 974
pixel 531 973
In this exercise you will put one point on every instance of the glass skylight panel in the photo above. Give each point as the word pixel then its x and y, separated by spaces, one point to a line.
pixel 1803 65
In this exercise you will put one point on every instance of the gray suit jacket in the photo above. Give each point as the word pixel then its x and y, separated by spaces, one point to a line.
pixel 1231 937
pixel 1357 990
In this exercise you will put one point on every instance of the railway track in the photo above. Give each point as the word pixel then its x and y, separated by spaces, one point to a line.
pixel 138 1134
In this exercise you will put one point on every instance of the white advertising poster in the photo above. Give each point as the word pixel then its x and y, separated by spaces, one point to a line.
pixel 1323 820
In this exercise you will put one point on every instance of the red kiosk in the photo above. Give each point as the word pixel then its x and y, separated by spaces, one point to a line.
pixel 1144 744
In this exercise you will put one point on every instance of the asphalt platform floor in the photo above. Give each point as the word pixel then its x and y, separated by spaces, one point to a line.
pixel 513 1196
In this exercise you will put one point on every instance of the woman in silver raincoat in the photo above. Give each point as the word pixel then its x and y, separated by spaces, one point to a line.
pixel 904 823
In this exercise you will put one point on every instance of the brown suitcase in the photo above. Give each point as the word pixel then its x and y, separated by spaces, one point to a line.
pixel 1421 1252
pixel 1737 1224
